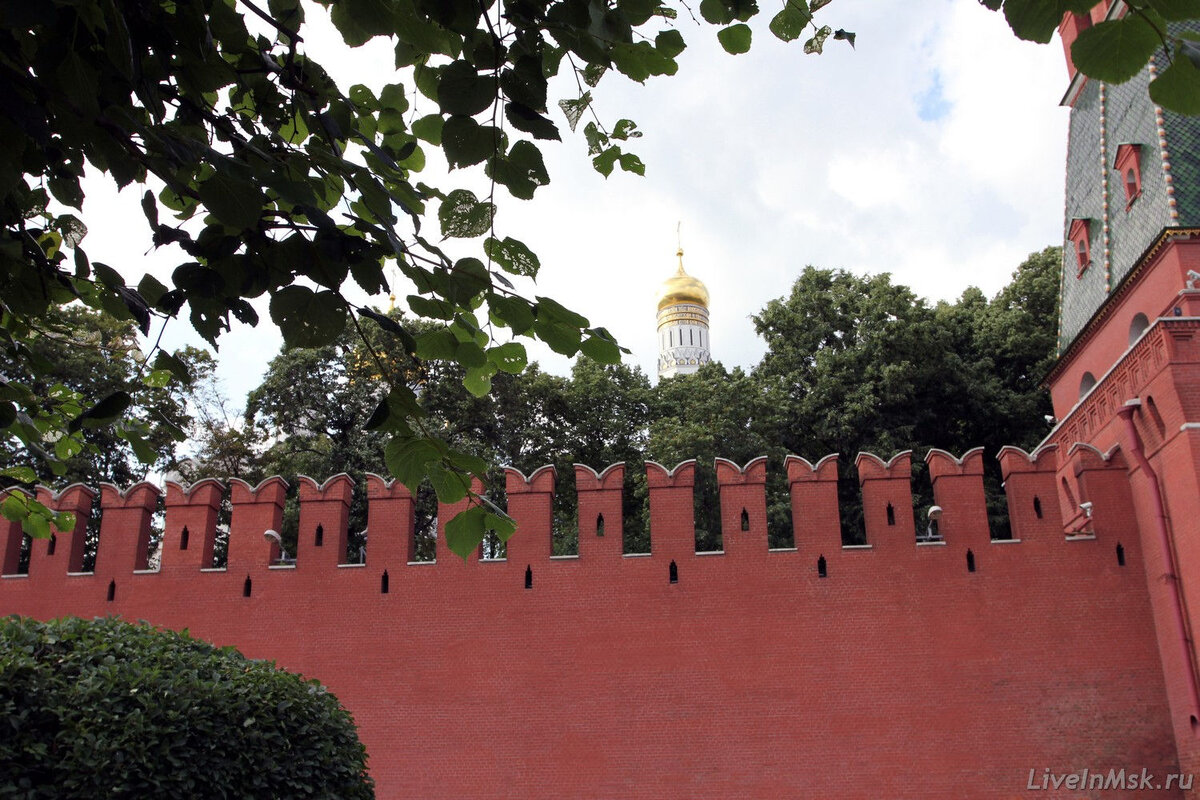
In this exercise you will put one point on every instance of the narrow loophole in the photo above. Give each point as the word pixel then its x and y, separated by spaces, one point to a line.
pixel 320 538
pixel 51 545
pixel 674 573
pixel 1037 506
pixel 599 524
pixel 112 591
pixel 246 587
pixel 822 571
pixel 383 583
pixel 745 520
pixel 891 515
pixel 1120 555
pixel 528 576
pixel 1195 722
pixel 183 538
pixel 970 561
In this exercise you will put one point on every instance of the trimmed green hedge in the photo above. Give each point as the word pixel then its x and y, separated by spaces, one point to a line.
pixel 106 709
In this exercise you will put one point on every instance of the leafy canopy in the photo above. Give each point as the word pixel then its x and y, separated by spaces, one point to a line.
pixel 269 180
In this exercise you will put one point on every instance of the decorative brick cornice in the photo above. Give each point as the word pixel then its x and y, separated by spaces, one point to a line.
pixel 1124 380
pixel 1127 285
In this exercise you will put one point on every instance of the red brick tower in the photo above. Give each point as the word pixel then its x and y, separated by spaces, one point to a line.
pixel 1126 388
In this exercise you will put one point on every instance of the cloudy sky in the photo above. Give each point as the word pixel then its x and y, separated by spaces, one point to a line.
pixel 933 151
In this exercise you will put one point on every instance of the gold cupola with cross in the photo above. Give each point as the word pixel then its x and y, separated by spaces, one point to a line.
pixel 683 343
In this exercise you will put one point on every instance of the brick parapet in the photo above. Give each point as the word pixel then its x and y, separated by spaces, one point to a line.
pixel 125 527
pixel 190 524
pixel 411 649
pixel 601 515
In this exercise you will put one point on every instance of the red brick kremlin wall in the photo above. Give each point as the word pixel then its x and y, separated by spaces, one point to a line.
pixel 939 670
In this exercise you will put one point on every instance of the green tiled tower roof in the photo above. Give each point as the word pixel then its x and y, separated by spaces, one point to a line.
pixel 1103 118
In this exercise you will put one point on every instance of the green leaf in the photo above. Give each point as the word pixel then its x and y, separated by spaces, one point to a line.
pixel 468 278
pixel 735 39
pixel 166 361
pixel 670 43
pixel 561 338
pixel 64 521
pixel 716 12
pixel 464 91
pixel 554 311
pixel 361 20
pixel 21 474
pixel 504 527
pixel 637 11
pixel 1177 88
pixel 789 24
pixel 466 142
pixel 573 109
pixel 144 452
pixel 462 216
pixel 512 256
pixel 379 416
pixel 601 349
pixel 817 43
pixel 438 344
pixel 509 357
pixel 152 289
pixel 432 308
pixel 450 485
pixel 36 525
pixel 307 318
pixel 15 507
pixel 234 201
pixel 522 171
pixel 478 380
pixel 157 378
pixel 1037 20
pixel 103 412
pixel 1032 20
pixel 1116 50
pixel 407 457
pixel 515 312
pixel 626 129
pixel 470 354
pixel 631 163
pixel 526 119
pixel 606 160
pixel 429 128
pixel 67 447
pixel 1175 10
pixel 465 531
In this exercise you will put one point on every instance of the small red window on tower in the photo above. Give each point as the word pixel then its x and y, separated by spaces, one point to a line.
pixel 1080 235
pixel 1129 166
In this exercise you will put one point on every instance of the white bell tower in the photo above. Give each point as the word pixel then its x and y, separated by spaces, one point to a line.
pixel 683 344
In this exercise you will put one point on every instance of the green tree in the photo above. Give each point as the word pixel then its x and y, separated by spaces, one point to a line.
pixel 103 708
pixel 709 414
pixel 77 352
pixel 857 364
pixel 608 412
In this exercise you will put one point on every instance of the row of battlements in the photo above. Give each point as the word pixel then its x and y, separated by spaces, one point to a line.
pixel 1039 509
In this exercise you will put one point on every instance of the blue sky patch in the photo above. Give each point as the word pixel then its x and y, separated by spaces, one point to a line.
pixel 932 103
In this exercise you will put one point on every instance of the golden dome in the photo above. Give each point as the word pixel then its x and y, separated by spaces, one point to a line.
pixel 682 288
